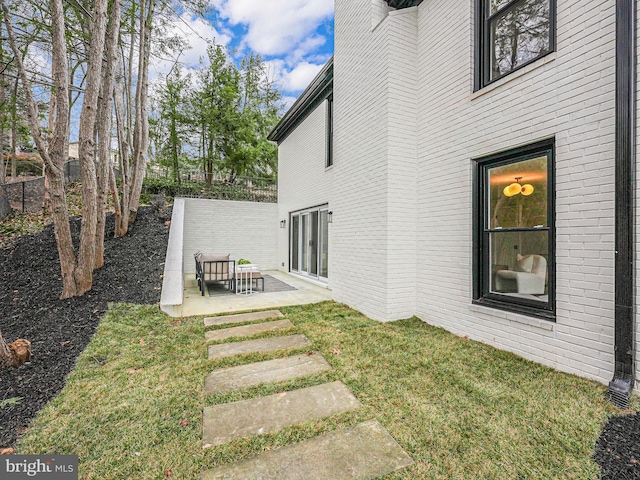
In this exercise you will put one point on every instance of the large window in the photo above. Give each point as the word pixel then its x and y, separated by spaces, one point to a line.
pixel 514 264
pixel 511 34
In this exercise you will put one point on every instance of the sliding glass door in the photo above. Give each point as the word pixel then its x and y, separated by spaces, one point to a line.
pixel 309 243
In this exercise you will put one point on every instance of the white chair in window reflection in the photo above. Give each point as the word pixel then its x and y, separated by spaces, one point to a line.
pixel 528 276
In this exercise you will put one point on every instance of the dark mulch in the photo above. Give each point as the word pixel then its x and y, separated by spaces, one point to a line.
pixel 618 448
pixel 59 330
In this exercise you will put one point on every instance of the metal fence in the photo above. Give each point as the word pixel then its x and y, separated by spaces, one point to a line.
pixel 26 195
pixel 71 171
pixel 195 185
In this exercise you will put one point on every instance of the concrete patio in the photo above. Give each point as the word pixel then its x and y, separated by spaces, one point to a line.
pixel 305 293
pixel 194 225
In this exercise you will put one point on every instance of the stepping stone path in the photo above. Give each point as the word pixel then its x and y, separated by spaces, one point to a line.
pixel 241 318
pixel 257 416
pixel 247 330
pixel 277 370
pixel 363 451
pixel 260 345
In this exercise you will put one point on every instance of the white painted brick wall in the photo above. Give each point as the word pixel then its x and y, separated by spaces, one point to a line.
pixel 242 229
pixel 303 180
pixel 358 261
pixel 401 162
pixel 396 221
pixel 379 11
pixel 568 95
pixel 637 245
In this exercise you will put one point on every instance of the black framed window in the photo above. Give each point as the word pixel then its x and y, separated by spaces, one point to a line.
pixel 329 159
pixel 514 240
pixel 511 34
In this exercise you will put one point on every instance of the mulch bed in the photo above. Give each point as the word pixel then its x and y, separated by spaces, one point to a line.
pixel 59 330
pixel 618 448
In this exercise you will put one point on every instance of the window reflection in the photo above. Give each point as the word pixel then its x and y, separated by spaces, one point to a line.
pixel 519 34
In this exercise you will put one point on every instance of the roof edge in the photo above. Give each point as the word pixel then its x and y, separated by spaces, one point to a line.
pixel 319 89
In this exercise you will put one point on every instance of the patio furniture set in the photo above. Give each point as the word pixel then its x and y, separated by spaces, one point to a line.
pixel 239 278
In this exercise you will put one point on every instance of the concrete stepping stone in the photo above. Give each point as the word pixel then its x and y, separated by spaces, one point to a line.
pixel 260 345
pixel 278 370
pixel 247 330
pixel 241 318
pixel 255 416
pixel 363 451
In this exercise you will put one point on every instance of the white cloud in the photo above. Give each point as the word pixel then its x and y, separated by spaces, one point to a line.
pixel 276 27
pixel 300 77
pixel 293 79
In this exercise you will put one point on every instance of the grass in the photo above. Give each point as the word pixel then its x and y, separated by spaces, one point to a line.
pixel 132 407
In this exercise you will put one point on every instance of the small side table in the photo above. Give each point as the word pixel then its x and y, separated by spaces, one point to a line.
pixel 244 273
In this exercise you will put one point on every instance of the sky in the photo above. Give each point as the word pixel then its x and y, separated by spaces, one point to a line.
pixel 294 37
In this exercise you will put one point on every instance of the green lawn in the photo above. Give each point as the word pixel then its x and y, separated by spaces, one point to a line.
pixel 132 408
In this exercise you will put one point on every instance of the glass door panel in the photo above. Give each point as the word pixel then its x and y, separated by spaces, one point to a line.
pixel 295 240
pixel 313 243
pixel 304 236
pixel 309 242
pixel 324 244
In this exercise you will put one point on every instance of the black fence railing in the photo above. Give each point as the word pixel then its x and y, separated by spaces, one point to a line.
pixel 25 195
pixel 195 185
pixel 71 171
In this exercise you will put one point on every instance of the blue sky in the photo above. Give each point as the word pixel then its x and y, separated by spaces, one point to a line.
pixel 295 37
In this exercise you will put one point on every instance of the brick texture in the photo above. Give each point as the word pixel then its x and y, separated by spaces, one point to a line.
pixel 303 180
pixel 569 96
pixel 407 126
pixel 242 229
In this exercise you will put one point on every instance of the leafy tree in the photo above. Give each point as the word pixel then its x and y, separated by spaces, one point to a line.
pixel 171 127
pixel 232 109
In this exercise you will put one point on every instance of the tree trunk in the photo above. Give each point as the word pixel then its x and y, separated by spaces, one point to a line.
pixel 114 193
pixel 15 353
pixel 104 128
pixel 123 150
pixel 3 99
pixel 14 132
pixel 5 354
pixel 86 150
pixel 141 141
pixel 58 151
pixel 5 208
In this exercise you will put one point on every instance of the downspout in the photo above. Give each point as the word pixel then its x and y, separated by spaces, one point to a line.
pixel 621 387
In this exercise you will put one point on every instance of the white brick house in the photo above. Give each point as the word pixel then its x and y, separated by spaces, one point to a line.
pixel 392 166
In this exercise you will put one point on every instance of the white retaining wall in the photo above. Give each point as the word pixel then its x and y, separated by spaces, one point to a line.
pixel 173 276
pixel 242 229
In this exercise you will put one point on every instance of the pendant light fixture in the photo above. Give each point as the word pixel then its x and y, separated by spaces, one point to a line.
pixel 515 188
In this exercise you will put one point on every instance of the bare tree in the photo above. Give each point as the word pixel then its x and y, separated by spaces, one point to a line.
pixel 132 115
pixel 86 151
pixel 57 151
pixel 105 169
